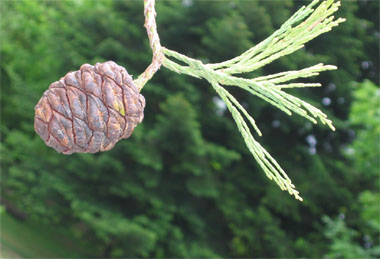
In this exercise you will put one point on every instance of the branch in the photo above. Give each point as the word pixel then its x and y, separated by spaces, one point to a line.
pixel 155 45
pixel 303 26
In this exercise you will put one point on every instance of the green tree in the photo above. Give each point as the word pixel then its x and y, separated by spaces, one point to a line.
pixel 361 239
pixel 364 119
pixel 342 240
pixel 184 185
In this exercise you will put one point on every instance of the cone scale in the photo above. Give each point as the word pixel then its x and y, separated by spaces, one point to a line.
pixel 89 110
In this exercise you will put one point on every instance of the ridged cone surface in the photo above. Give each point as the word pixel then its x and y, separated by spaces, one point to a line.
pixel 89 110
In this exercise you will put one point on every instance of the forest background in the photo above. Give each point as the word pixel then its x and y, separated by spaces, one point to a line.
pixel 184 184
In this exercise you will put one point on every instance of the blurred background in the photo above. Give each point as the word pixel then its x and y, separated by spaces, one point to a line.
pixel 184 184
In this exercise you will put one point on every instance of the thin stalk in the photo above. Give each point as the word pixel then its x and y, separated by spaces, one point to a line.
pixel 154 42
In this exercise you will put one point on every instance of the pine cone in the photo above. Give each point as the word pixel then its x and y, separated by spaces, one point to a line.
pixel 89 110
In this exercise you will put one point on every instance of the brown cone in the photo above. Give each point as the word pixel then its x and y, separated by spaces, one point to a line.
pixel 89 110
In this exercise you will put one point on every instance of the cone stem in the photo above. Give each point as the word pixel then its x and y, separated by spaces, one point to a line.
pixel 154 42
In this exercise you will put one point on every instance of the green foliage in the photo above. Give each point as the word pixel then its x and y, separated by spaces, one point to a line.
pixel 344 240
pixel 39 240
pixel 370 202
pixel 365 154
pixel 365 117
pixel 184 184
pixel 342 245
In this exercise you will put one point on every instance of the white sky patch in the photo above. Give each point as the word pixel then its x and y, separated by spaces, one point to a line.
pixel 276 123
pixel 326 101
pixel 187 3
pixel 220 105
